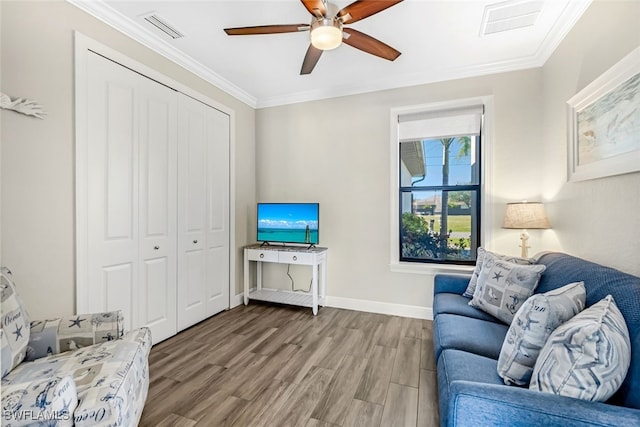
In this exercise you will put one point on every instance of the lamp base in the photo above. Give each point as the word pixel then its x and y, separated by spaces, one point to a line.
pixel 524 239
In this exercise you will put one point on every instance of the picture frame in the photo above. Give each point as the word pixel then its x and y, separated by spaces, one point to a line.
pixel 604 123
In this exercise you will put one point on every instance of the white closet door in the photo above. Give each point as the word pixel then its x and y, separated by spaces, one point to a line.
pixel 203 206
pixel 218 221
pixel 112 188
pixel 192 211
pixel 131 186
pixel 157 219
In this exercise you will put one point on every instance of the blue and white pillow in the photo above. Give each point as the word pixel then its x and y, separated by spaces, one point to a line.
pixel 503 287
pixel 532 325
pixel 482 254
pixel 587 357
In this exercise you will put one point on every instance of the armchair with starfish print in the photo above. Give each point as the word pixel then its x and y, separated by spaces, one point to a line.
pixel 81 370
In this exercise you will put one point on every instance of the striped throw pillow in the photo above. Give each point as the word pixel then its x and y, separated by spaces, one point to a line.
pixel 587 357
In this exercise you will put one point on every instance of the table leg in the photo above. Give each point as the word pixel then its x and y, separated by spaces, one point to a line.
pixel 246 278
pixel 314 289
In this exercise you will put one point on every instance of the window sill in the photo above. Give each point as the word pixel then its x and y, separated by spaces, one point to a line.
pixel 429 269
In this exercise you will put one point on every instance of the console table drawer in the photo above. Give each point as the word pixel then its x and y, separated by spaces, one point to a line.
pixel 295 258
pixel 260 255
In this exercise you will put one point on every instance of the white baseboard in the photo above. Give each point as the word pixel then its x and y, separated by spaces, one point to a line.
pixel 402 310
pixel 380 307
pixel 236 300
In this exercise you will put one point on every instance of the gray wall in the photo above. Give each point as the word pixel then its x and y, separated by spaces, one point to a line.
pixel 597 219
pixel 336 152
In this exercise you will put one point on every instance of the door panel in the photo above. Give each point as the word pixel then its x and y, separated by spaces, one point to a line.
pixel 203 212
pixel 158 233
pixel 117 290
pixel 218 221
pixel 112 188
pixel 192 209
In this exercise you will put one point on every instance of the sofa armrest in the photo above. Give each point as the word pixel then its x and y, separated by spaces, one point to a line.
pixel 40 402
pixel 451 283
pixel 55 336
pixel 475 404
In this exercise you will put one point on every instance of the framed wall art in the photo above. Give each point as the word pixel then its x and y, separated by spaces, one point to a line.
pixel 604 123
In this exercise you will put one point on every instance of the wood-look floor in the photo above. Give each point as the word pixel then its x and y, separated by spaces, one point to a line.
pixel 273 365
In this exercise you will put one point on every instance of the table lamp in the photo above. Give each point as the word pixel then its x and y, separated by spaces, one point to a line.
pixel 525 215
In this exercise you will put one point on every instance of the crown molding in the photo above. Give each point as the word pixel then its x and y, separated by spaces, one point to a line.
pixel 572 12
pixel 101 11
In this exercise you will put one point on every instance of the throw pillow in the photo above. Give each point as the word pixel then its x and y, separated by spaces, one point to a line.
pixel 503 287
pixel 482 254
pixel 15 324
pixel 587 357
pixel 538 317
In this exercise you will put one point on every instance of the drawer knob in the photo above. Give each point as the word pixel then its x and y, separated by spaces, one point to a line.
pixel 195 241
pixel 295 258
pixel 155 248
pixel 261 255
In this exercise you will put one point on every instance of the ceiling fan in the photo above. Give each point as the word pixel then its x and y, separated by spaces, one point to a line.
pixel 327 31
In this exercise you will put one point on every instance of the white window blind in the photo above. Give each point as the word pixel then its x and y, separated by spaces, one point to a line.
pixel 440 123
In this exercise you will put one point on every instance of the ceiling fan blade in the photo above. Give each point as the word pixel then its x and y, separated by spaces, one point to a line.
pixel 310 59
pixel 368 44
pixel 266 29
pixel 363 9
pixel 315 7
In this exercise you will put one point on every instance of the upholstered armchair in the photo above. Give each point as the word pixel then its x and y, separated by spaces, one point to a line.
pixel 82 370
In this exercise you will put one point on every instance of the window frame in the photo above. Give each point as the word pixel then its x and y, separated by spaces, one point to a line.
pixel 486 185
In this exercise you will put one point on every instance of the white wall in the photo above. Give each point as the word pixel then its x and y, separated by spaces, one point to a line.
pixel 336 152
pixel 598 219
pixel 37 181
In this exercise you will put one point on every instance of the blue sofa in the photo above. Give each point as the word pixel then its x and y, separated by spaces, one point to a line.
pixel 467 344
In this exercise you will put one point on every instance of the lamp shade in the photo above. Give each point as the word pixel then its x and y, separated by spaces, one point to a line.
pixel 525 215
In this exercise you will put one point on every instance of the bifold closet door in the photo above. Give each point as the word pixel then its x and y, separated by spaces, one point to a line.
pixel 203 211
pixel 157 209
pixel 131 149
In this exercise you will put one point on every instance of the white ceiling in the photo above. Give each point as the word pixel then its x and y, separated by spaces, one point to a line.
pixel 439 40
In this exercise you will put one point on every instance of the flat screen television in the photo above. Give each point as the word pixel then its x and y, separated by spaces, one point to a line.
pixel 288 223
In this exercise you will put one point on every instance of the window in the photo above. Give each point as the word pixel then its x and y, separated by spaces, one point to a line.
pixel 439 183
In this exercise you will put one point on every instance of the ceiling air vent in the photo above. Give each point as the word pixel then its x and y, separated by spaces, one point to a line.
pixel 162 25
pixel 510 15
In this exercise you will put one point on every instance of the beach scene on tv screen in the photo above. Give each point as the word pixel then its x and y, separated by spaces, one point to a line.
pixel 288 223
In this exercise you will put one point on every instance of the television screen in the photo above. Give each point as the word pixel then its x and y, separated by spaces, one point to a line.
pixel 288 222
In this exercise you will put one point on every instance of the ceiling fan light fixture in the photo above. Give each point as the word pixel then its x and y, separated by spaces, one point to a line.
pixel 326 34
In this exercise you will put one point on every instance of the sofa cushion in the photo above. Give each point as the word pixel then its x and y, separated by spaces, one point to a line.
pixel 484 254
pixel 587 357
pixel 538 317
pixel 503 287
pixel 458 304
pixel 467 334
pixel 15 324
pixel 599 282
pixel 456 365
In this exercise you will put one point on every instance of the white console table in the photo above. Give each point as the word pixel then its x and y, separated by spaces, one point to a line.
pixel 315 257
